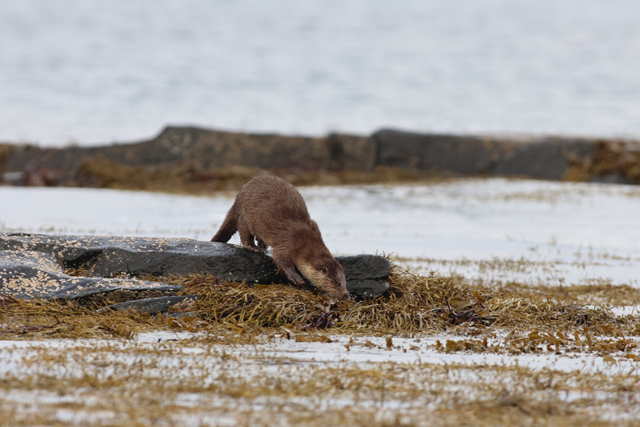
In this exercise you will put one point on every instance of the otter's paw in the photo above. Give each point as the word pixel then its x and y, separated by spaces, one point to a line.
pixel 254 249
pixel 295 278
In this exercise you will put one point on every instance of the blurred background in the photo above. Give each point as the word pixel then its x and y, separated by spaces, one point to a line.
pixel 96 72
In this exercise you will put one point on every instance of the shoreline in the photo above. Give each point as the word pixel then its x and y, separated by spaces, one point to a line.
pixel 199 161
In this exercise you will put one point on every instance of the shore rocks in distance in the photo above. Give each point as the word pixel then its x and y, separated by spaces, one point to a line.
pixel 31 274
pixel 199 155
pixel 535 157
pixel 141 256
pixel 614 161
pixel 206 149
pixel 548 159
pixel 467 155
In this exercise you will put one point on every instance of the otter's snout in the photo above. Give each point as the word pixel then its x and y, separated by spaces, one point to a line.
pixel 341 292
pixel 338 292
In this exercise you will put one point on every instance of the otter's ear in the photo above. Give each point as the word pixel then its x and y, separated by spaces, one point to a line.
pixel 324 269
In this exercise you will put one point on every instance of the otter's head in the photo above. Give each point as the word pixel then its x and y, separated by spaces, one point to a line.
pixel 325 274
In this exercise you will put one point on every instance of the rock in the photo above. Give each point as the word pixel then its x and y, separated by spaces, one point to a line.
pixel 216 149
pixel 198 153
pixel 208 149
pixel 154 305
pixel 141 256
pixel 367 288
pixel 546 158
pixel 533 157
pixel 357 267
pixel 29 275
pixel 450 153
pixel 361 272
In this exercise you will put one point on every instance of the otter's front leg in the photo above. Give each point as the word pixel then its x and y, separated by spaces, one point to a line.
pixel 285 265
pixel 293 276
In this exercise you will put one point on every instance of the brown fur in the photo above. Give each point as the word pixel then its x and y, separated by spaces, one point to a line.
pixel 272 212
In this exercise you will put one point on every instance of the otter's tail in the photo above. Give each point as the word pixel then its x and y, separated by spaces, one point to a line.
pixel 229 226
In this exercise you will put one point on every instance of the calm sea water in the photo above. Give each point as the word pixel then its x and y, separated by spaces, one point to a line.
pixel 118 70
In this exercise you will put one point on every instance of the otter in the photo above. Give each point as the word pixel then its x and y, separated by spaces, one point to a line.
pixel 270 211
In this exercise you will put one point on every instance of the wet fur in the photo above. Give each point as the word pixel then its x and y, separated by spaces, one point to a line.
pixel 269 211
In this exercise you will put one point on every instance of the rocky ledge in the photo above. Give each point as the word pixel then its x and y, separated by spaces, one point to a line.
pixel 205 156
pixel 32 266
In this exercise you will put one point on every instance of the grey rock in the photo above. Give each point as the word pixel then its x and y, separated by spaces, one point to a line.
pixel 359 267
pixel 545 159
pixel 216 149
pixel 451 153
pixel 209 149
pixel 367 288
pixel 541 158
pixel 141 256
pixel 153 305
pixel 29 275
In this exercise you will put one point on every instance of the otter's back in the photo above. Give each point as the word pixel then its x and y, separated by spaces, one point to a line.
pixel 267 204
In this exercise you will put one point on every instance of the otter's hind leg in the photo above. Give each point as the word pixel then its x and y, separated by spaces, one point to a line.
pixel 285 265
pixel 229 226
pixel 261 244
pixel 248 240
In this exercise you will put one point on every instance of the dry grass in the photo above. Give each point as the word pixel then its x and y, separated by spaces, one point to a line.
pixel 600 293
pixel 188 178
pixel 67 319
pixel 5 150
pixel 414 305
pixel 612 158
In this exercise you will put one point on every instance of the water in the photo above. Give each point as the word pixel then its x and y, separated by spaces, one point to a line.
pixel 102 71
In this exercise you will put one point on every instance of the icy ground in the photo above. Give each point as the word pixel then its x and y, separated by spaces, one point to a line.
pixel 181 379
pixel 489 230
pixel 363 349
pixel 494 230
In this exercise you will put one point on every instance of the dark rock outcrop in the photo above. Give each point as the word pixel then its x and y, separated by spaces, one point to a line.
pixel 366 274
pixel 141 256
pixel 357 267
pixel 367 288
pixel 207 149
pixel 196 154
pixel 450 153
pixel 541 158
pixel 545 159
pixel 30 274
